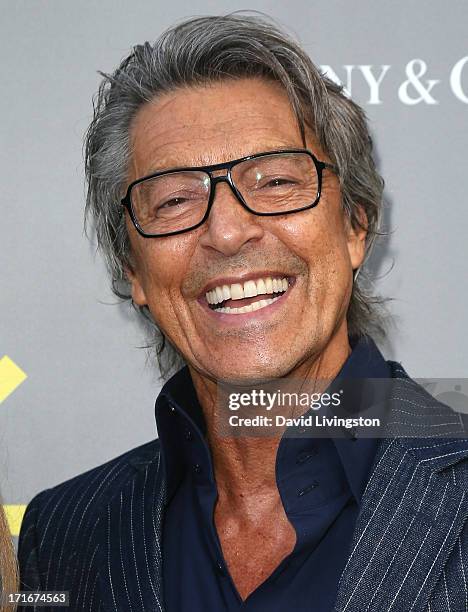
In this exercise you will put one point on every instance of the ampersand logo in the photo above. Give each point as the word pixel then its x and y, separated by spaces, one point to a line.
pixel 414 71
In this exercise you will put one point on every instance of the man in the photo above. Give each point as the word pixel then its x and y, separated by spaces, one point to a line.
pixel 235 197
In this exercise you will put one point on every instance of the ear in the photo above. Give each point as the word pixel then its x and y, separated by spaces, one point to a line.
pixel 356 238
pixel 138 293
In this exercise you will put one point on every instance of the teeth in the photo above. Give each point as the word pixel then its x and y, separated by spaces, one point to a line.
pixel 261 287
pixel 260 304
pixel 219 294
pixel 269 285
pixel 237 292
pixel 251 288
pixel 250 308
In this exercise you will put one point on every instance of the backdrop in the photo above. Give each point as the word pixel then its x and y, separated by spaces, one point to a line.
pixel 75 389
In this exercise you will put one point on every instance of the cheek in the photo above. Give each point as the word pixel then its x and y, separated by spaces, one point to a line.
pixel 321 244
pixel 319 239
pixel 162 265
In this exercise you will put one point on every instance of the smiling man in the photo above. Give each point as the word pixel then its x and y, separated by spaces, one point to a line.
pixel 235 198
pixel 206 287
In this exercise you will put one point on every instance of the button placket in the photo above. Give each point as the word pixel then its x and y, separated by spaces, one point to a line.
pixel 306 455
pixel 310 487
pixel 220 568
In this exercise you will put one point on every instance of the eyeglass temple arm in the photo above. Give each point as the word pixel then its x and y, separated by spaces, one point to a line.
pixel 331 167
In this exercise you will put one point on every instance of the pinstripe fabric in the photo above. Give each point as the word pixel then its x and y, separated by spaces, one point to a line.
pixel 99 534
pixel 410 545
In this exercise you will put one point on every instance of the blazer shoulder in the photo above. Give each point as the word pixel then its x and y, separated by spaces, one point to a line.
pixel 84 495
pixel 429 429
pixel 62 525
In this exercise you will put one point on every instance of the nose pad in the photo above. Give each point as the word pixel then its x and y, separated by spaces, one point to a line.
pixel 224 178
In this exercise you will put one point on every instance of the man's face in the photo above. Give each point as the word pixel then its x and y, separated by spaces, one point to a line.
pixel 314 250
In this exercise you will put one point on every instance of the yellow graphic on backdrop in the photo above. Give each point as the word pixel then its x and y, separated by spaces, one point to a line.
pixel 11 376
pixel 14 515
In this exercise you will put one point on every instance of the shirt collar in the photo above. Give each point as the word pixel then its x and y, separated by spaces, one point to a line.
pixel 178 398
pixel 357 454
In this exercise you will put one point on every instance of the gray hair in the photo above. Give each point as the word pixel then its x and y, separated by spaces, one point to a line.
pixel 210 49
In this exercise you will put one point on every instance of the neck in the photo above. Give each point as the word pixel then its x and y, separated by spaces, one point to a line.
pixel 244 467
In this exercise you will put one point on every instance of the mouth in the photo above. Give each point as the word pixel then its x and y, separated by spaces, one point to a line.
pixel 248 296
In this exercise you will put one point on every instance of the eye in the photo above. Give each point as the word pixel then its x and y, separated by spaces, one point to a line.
pixel 278 182
pixel 275 182
pixel 171 203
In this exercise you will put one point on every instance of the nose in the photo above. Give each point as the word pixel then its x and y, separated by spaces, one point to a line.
pixel 229 226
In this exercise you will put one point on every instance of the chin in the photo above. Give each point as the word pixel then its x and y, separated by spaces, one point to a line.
pixel 247 372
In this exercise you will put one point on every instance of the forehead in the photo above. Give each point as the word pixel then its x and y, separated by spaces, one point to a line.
pixel 211 124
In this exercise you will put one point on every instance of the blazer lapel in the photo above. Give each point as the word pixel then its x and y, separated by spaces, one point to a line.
pixel 411 515
pixel 130 547
pixel 411 512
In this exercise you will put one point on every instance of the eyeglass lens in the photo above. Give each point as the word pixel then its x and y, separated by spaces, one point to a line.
pixel 269 184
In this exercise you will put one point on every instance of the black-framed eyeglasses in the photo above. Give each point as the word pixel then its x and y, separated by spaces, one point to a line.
pixel 267 184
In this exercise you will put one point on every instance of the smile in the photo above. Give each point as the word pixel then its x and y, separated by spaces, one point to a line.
pixel 246 295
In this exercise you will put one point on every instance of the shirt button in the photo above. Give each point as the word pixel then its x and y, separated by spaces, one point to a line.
pixel 220 568
pixel 197 468
pixel 305 456
pixel 307 489
pixel 188 435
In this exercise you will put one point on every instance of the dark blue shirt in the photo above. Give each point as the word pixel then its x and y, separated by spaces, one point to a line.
pixel 320 481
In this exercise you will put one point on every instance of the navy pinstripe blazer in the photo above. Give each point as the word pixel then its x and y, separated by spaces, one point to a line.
pixel 98 535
